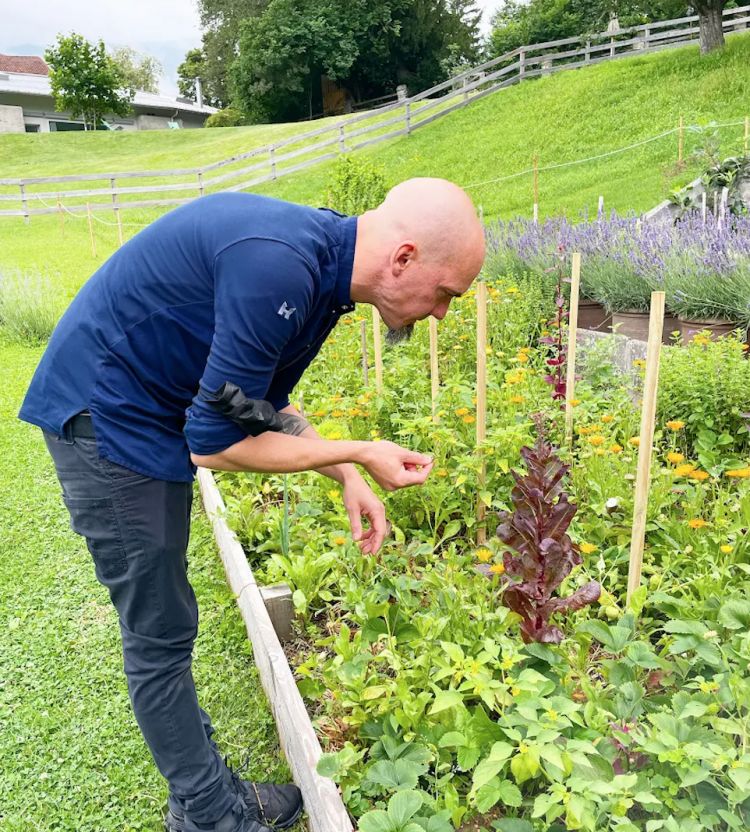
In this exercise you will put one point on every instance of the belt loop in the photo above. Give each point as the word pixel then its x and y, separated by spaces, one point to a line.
pixel 67 433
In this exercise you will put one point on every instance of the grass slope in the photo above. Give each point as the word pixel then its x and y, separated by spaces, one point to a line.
pixel 71 756
pixel 561 118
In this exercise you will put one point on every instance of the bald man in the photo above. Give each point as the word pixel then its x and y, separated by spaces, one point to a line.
pixel 182 351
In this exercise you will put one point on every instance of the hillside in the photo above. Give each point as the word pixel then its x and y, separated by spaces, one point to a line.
pixel 563 117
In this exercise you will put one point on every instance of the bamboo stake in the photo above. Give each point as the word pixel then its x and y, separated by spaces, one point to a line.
pixel 378 349
pixel 600 208
pixel 119 226
pixel 363 339
pixel 703 207
pixel 536 188
pixel 747 132
pixel 91 230
pixel 680 140
pixel 481 403
pixel 645 449
pixel 62 217
pixel 434 376
pixel 571 362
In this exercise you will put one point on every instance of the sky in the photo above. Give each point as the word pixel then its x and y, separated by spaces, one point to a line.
pixel 165 29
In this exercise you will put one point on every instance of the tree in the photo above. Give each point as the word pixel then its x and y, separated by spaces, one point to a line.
pixel 86 81
pixel 221 21
pixel 142 72
pixel 195 66
pixel 369 47
pixel 710 19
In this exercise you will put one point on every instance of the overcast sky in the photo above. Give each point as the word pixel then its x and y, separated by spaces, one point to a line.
pixel 165 29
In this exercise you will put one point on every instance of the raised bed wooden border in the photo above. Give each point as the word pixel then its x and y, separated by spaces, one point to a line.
pixel 325 809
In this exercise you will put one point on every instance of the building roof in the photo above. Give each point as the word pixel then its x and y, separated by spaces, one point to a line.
pixel 28 64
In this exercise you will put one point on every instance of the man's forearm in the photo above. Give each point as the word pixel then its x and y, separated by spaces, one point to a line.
pixel 278 453
pixel 340 472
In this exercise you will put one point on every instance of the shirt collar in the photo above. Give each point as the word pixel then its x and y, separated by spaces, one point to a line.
pixel 342 296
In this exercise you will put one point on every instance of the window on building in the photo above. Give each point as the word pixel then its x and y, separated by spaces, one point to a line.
pixel 32 128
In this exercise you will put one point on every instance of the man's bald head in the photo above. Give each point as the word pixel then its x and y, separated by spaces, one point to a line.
pixel 423 245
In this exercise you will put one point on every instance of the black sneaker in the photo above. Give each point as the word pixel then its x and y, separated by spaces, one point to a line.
pixel 268 804
pixel 238 819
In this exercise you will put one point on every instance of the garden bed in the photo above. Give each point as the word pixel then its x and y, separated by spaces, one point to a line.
pixel 430 706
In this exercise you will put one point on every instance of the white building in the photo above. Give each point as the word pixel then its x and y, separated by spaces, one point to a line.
pixel 26 104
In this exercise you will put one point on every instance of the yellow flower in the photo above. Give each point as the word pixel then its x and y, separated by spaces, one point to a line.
pixel 607 418
pixel 583 431
pixel 575 402
pixel 675 458
pixel 517 399
pixel 334 494
pixel 497 568
pixel 441 473
pixel 596 440
pixel 514 691
pixel 639 362
pixel 513 290
pixel 337 414
pixel 745 347
pixel 339 540
pixel 522 357
pixel 468 419
pixel 462 411
pixel 507 664
pixel 701 340
pixel 355 411
pixel 726 548
pixel 699 475
pixel 599 451
pixel 742 473
pixel 697 523
pixel 615 449
pixel 483 555
pixel 675 424
pixel 635 441
pixel 588 548
pixel 684 470
pixel 319 413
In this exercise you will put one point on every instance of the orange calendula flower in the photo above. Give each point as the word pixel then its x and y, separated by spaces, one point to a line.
pixel 497 568
pixel 742 473
pixel 607 418
pixel 468 420
pixel 726 548
pixel 462 411
pixel 635 441
pixel 675 424
pixel 615 449
pixel 337 414
pixel 517 399
pixel 339 540
pixel 684 470
pixel 675 458
pixel 697 523
pixel 596 440
pixel 699 475
pixel 575 402
pixel 442 472
pixel 587 548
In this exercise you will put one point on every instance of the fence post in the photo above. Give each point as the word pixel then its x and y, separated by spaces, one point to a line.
pixel 200 183
pixel 24 203
pixel 587 53
pixel 646 37
pixel 342 146
pixel 466 94
pixel 408 117
pixel 62 217
pixel 521 65
pixel 272 157
pixel 115 208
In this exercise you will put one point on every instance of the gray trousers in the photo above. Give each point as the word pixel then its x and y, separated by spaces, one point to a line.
pixel 137 530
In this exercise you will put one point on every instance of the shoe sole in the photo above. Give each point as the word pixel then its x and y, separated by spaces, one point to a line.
pixel 178 825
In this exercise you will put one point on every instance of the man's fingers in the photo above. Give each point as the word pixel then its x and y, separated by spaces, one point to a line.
pixel 355 522
pixel 415 476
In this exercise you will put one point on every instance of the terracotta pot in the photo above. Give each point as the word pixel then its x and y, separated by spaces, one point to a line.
pixel 715 326
pixel 592 315
pixel 633 324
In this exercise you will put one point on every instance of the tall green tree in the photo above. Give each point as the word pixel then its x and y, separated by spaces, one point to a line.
pixel 86 81
pixel 142 72
pixel 221 21
pixel 369 46
pixel 195 66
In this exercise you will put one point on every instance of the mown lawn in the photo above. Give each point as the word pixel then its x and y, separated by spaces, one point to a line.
pixel 71 755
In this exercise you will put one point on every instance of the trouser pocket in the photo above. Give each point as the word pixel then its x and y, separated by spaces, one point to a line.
pixel 95 520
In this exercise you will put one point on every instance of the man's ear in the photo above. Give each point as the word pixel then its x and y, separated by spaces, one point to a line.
pixel 403 255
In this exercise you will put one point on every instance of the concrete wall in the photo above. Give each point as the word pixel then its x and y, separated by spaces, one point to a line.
pixel 11 119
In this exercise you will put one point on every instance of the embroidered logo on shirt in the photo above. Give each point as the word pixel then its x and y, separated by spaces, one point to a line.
pixel 286 311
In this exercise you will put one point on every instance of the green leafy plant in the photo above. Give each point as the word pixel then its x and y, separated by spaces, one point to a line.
pixel 356 186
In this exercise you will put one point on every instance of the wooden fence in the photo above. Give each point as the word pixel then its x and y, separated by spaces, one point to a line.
pixel 106 191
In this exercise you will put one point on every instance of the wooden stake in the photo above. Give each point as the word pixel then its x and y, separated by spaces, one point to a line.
pixel 363 339
pixel 434 377
pixel 481 403
pixel 747 132
pixel 377 345
pixel 645 449
pixel 570 382
pixel 536 188
pixel 62 217
pixel 703 207
pixel 119 225
pixel 600 208
pixel 91 230
pixel 680 140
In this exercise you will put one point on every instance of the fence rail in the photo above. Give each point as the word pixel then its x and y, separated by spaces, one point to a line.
pixel 399 118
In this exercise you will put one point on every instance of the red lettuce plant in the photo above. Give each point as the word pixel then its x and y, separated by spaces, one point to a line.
pixel 542 554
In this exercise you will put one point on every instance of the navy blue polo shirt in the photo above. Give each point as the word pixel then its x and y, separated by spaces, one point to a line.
pixel 231 287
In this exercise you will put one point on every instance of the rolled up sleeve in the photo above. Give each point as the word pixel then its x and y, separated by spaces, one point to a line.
pixel 263 292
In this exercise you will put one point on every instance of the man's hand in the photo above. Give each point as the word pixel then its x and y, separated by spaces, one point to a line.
pixel 392 466
pixel 360 501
